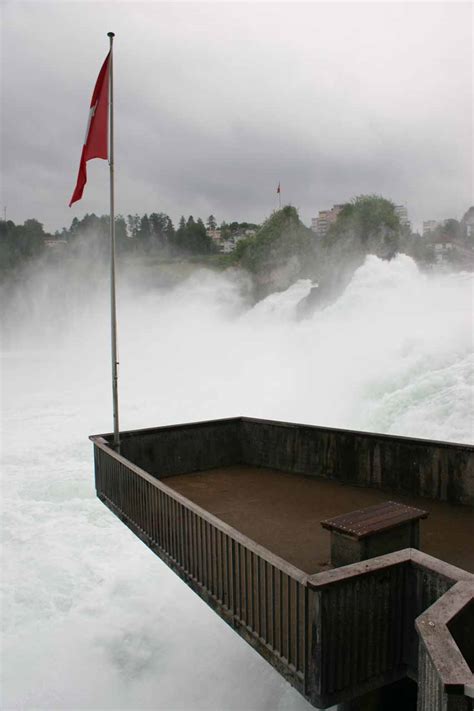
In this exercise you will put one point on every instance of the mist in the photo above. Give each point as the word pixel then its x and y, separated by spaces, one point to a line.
pixel 92 619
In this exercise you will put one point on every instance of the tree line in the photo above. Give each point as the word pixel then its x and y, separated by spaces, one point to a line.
pixel 147 233
pixel 20 243
pixel 366 224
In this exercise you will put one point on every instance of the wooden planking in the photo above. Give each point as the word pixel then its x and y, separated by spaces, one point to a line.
pixel 374 519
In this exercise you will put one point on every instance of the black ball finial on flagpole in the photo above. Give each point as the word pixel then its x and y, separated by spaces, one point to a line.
pixel 110 34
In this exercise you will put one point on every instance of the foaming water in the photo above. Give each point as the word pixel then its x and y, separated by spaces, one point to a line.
pixel 92 619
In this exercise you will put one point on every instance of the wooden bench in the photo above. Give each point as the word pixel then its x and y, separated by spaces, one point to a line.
pixel 375 530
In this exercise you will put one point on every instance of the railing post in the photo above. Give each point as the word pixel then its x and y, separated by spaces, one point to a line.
pixel 314 633
pixel 444 675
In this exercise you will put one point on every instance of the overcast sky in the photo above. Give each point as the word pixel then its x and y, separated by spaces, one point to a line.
pixel 217 102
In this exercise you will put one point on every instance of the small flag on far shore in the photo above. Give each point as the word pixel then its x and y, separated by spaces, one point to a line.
pixel 278 188
pixel 96 138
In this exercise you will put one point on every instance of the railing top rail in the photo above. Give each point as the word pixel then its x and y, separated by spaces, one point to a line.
pixel 295 425
pixel 440 567
pixel 432 626
pixel 127 434
pixel 355 570
pixel 239 537
pixel 363 433
pixel 402 557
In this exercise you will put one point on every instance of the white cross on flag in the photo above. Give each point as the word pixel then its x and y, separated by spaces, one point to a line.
pixel 96 138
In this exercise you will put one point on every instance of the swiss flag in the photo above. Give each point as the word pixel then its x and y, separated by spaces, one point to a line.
pixel 96 138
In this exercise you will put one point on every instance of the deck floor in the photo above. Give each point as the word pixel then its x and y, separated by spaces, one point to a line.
pixel 283 511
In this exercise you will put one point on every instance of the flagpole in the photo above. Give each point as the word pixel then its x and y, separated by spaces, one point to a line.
pixel 113 310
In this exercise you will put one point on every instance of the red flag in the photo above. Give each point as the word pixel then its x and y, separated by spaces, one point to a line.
pixel 278 188
pixel 96 139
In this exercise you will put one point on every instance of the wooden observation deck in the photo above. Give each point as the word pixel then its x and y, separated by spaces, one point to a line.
pixel 235 507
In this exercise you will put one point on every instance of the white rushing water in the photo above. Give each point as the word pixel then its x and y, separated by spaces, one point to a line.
pixel 91 618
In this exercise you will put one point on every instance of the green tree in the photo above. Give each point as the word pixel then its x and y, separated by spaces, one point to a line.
pixel 168 231
pixel 133 223
pixel 158 225
pixel 74 229
pixel 144 236
pixel 452 229
pixel 31 236
pixel 203 243
pixel 225 230
pixel 367 224
pixel 211 222
pixel 282 237
pixel 20 243
pixel 191 236
pixel 121 236
pixel 9 247
pixel 180 237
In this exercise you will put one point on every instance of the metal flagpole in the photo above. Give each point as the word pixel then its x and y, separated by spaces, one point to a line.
pixel 113 310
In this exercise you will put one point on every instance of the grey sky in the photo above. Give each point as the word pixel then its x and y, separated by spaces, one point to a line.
pixel 217 102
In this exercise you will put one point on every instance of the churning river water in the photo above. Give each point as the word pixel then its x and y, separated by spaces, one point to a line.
pixel 91 618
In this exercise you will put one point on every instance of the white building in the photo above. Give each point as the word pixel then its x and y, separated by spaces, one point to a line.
pixel 322 223
pixel 55 243
pixel 214 234
pixel 429 226
pixel 227 246
pixel 402 213
pixel 468 223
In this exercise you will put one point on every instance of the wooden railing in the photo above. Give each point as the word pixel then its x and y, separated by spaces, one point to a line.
pixel 333 635
pixel 260 595
pixel 364 622
pixel 359 635
pixel 445 679
pixel 441 471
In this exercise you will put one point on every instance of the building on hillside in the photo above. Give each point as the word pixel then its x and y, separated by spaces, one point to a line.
pixel 214 234
pixel 227 246
pixel 429 226
pixel 55 243
pixel 325 219
pixel 467 224
pixel 402 213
